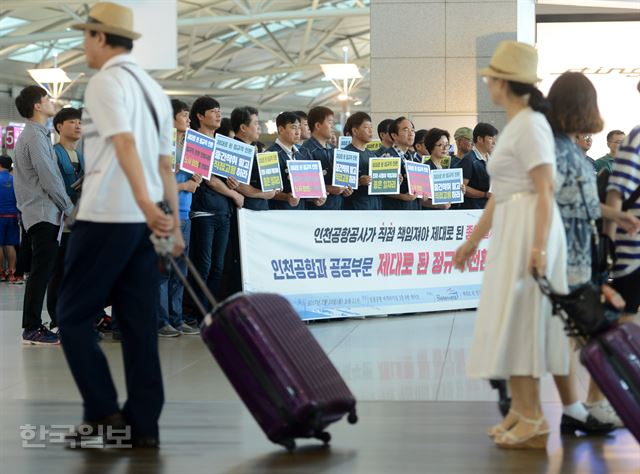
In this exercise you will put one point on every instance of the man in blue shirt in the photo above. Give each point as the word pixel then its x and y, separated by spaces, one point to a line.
pixel 474 167
pixel 67 124
pixel 170 318
pixel 321 122
pixel 9 228
pixel 359 128
pixel 288 124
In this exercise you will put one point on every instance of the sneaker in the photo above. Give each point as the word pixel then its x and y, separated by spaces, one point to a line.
pixel 168 331
pixel 16 279
pixel 604 412
pixel 191 322
pixel 104 322
pixel 184 328
pixel 40 337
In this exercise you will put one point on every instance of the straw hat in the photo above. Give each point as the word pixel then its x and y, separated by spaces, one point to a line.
pixel 110 18
pixel 513 61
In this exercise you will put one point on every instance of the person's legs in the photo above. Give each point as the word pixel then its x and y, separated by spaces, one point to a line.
pixel 134 301
pixel 23 264
pixel 175 287
pixel 163 300
pixel 96 256
pixel 525 396
pixel 53 288
pixel 45 250
pixel 201 244
pixel 219 249
pixel 11 259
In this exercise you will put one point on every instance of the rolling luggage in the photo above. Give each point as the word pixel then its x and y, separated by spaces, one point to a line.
pixel 275 364
pixel 610 351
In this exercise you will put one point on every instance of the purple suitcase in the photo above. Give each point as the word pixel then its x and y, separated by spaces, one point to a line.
pixel 275 364
pixel 611 354
pixel 613 360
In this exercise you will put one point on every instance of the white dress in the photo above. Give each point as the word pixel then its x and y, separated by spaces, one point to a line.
pixel 515 332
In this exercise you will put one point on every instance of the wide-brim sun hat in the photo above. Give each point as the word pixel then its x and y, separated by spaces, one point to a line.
pixel 110 18
pixel 513 61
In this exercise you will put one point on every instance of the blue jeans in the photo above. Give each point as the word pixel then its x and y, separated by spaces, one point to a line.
pixel 171 288
pixel 209 240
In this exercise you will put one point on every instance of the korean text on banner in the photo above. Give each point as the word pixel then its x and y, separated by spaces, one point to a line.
pixel 232 158
pixel 418 179
pixel 445 186
pixel 361 264
pixel 174 145
pixel 270 175
pixel 374 145
pixel 196 153
pixel 344 141
pixel 385 175
pixel 346 166
pixel 307 180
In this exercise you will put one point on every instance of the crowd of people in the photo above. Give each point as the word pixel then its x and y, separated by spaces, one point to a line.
pixel 534 180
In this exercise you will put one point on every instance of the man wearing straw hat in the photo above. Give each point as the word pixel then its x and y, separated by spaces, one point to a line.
pixel 127 120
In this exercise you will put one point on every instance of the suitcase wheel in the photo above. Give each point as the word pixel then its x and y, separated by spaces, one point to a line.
pixel 289 444
pixel 324 436
pixel 352 418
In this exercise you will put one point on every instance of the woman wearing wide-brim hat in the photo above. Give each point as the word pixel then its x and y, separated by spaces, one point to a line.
pixel 516 337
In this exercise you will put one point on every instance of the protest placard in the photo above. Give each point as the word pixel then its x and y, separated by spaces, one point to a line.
pixel 196 153
pixel 385 176
pixel 418 179
pixel 344 141
pixel 269 167
pixel 232 158
pixel 346 166
pixel 445 186
pixel 307 180
pixel 374 145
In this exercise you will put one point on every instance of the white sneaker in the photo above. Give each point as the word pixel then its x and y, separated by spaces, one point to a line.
pixel 604 412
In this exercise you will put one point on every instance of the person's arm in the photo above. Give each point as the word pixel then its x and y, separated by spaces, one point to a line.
pixel 614 201
pixel 249 191
pixel 171 197
pixel 466 250
pixel 625 220
pixel 403 197
pixel 336 190
pixel 223 188
pixel 128 159
pixel 543 182
pixel 473 192
pixel 49 175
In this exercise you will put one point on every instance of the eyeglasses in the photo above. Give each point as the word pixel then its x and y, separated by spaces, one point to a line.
pixel 587 137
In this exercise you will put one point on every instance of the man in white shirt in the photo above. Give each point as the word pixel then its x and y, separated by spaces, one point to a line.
pixel 127 121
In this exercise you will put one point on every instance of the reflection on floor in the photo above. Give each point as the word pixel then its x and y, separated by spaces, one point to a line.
pixel 418 411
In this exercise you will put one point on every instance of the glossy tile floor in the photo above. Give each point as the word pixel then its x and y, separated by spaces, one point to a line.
pixel 418 410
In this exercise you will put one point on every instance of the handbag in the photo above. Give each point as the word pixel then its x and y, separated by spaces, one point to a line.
pixel 603 250
pixel 587 311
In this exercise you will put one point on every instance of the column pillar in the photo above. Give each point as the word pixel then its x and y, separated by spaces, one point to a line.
pixel 425 55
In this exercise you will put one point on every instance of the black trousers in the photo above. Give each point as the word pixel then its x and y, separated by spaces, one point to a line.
pixel 113 259
pixel 44 251
pixel 56 280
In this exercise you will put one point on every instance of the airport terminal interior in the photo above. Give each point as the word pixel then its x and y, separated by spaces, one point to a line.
pixel 405 353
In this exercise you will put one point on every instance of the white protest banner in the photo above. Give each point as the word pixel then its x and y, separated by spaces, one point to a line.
pixel 361 263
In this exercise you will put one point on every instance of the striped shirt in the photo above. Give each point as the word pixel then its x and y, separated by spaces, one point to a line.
pixel 625 179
